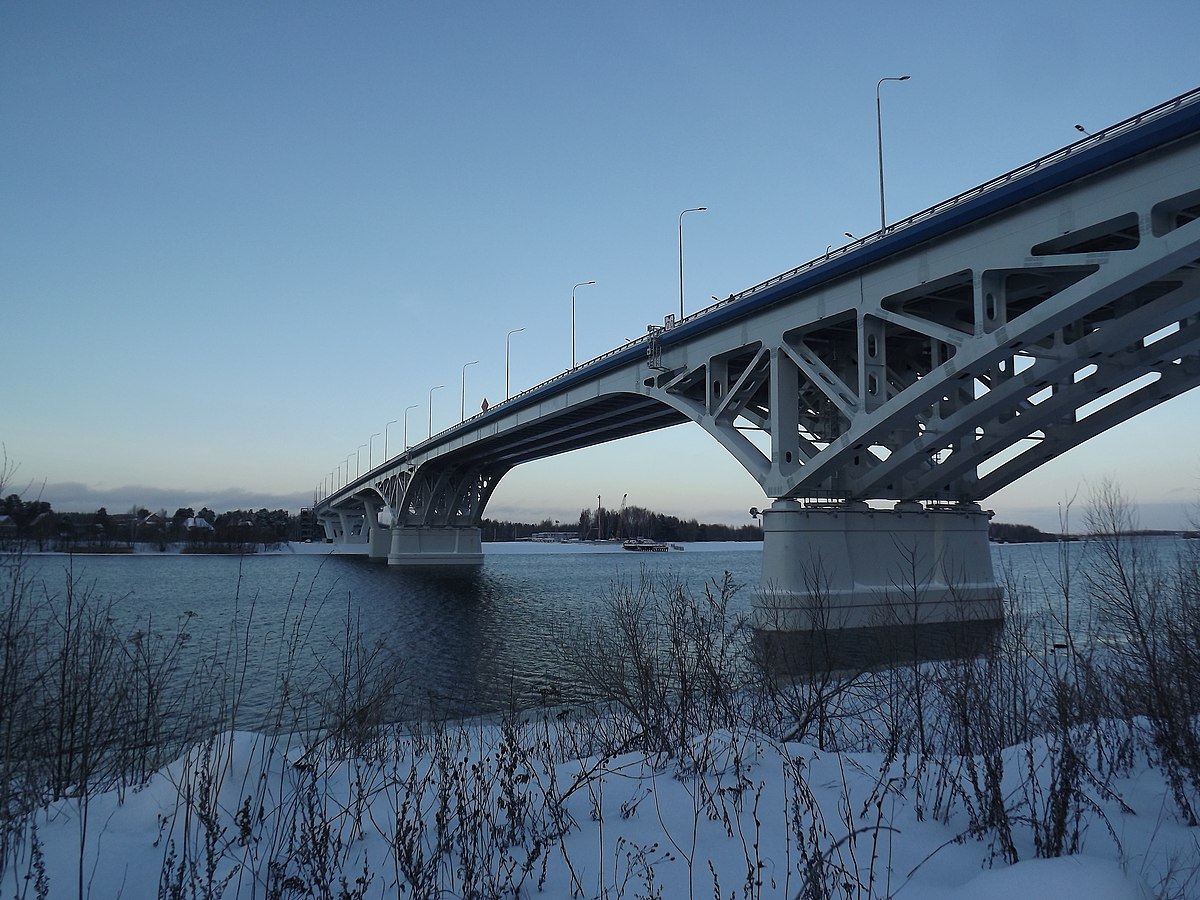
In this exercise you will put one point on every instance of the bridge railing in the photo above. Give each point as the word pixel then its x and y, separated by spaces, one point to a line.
pixel 538 387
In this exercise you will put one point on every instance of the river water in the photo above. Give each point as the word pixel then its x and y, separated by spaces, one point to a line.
pixel 466 640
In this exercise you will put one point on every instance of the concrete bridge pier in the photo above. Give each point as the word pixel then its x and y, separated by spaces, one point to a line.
pixel 851 566
pixel 377 537
pixel 343 527
pixel 432 546
pixel 329 524
pixel 353 527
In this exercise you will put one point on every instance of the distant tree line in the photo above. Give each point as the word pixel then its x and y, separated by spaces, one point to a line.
pixel 619 524
pixel 203 530
pixel 1003 533
pixel 36 524
pixel 495 530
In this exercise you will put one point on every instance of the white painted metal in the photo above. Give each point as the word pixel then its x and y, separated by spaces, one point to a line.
pixel 904 379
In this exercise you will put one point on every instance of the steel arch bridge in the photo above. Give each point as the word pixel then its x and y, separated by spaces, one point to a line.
pixel 931 363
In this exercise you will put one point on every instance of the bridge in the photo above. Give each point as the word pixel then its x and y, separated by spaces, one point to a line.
pixel 929 364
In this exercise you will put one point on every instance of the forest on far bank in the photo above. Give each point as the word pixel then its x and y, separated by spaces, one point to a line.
pixel 619 524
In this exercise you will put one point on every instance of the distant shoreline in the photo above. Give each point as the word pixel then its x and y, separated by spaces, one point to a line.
pixel 298 548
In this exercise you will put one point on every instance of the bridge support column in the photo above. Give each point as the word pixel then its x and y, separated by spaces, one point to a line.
pixel 350 535
pixel 852 566
pixel 329 525
pixel 380 546
pixel 378 539
pixel 422 546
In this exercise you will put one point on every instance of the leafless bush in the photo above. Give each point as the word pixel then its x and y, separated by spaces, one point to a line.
pixel 358 697
pixel 806 687
pixel 1152 617
pixel 83 707
pixel 676 666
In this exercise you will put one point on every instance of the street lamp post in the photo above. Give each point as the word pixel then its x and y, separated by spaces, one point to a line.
pixel 406 409
pixel 385 428
pixel 462 409
pixel 879 132
pixel 358 460
pixel 694 209
pixel 349 456
pixel 414 406
pixel 581 284
pixel 371 451
pixel 507 353
pixel 431 390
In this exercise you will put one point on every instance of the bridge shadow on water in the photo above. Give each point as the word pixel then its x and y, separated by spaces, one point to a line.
pixel 793 654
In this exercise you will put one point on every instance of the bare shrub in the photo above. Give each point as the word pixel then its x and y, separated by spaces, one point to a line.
pixel 1152 619
pixel 83 707
pixel 674 665
pixel 807 690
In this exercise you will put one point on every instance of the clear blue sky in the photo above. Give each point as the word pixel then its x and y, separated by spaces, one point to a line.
pixel 237 239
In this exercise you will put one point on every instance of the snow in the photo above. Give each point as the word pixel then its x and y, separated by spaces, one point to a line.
pixel 1071 876
pixel 641 824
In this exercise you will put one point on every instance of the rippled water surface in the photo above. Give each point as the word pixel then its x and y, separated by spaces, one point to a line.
pixel 468 639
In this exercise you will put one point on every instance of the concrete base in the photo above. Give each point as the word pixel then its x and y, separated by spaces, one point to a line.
pixel 435 547
pixel 851 566
pixel 380 544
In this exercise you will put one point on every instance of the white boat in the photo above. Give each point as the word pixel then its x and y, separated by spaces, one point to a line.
pixel 645 545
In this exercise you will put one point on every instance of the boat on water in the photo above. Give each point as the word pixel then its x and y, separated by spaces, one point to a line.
pixel 645 545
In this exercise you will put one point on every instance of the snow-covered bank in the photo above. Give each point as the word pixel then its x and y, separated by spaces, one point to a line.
pixel 491 812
